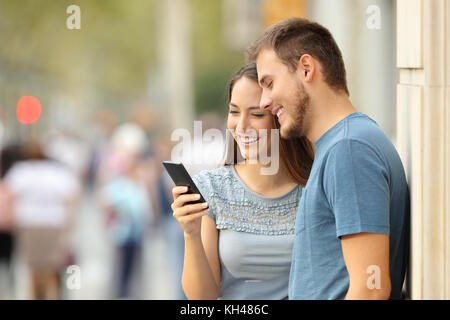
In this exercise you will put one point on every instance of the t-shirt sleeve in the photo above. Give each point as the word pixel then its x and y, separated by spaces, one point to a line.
pixel 203 183
pixel 356 184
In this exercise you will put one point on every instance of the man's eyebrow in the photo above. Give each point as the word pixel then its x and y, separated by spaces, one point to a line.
pixel 262 80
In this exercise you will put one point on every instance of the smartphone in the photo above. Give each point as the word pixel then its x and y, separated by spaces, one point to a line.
pixel 181 177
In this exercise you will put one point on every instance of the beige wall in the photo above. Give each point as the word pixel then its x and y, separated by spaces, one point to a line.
pixel 369 54
pixel 423 138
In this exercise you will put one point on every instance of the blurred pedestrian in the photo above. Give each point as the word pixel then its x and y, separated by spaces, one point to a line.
pixel 9 155
pixel 125 198
pixel 6 241
pixel 43 192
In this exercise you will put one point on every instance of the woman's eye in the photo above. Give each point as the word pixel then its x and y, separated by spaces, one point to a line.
pixel 259 115
pixel 231 111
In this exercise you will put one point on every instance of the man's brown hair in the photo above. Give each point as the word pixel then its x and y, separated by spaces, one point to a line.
pixel 294 37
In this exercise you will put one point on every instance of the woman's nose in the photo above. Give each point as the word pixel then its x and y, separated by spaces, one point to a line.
pixel 243 124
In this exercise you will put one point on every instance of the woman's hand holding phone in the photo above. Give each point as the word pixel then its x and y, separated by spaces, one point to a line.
pixel 189 216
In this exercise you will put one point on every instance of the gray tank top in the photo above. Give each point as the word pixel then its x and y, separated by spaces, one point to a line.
pixel 256 235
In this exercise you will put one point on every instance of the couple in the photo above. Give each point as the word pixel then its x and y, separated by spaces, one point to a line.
pixel 337 228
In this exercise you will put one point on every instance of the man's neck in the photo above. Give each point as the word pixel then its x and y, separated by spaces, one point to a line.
pixel 328 112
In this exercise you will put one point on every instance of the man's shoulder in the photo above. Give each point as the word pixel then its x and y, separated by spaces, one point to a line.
pixel 361 136
pixel 366 130
pixel 357 127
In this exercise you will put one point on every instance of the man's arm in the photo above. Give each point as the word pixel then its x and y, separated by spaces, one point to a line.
pixel 366 256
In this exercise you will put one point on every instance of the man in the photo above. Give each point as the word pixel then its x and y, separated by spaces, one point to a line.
pixel 352 227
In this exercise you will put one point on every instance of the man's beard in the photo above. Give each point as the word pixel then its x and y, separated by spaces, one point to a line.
pixel 300 114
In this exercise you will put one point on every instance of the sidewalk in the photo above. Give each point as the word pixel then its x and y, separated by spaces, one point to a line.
pixel 95 257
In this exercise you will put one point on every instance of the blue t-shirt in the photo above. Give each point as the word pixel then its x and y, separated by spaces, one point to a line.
pixel 255 235
pixel 357 184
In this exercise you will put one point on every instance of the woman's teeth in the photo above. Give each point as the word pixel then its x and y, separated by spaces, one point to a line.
pixel 248 140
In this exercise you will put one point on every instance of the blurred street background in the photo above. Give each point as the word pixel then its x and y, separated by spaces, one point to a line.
pixel 86 117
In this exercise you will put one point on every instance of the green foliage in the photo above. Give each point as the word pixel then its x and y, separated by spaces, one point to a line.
pixel 214 63
pixel 113 54
pixel 113 49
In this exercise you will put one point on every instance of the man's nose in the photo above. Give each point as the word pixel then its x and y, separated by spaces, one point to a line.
pixel 265 102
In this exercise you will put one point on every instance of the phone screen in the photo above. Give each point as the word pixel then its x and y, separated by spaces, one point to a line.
pixel 181 177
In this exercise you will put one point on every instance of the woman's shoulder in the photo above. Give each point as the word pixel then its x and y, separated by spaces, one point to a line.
pixel 217 172
pixel 215 180
pixel 235 207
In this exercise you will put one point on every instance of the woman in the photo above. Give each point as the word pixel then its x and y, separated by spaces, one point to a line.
pixel 240 246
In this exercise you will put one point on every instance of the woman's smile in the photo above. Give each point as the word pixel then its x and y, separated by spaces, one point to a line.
pixel 247 140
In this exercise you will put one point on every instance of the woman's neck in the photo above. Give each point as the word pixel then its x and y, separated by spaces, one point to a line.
pixel 261 183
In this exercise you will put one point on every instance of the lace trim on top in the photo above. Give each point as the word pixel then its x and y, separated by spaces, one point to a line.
pixel 235 207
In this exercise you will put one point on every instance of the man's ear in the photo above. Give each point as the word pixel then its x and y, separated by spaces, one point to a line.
pixel 306 67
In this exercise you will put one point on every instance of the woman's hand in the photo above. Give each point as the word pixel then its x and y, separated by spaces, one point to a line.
pixel 189 216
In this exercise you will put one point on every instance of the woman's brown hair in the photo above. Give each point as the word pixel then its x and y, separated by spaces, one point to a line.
pixel 296 154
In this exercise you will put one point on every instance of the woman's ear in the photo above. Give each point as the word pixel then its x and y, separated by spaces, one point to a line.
pixel 306 67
